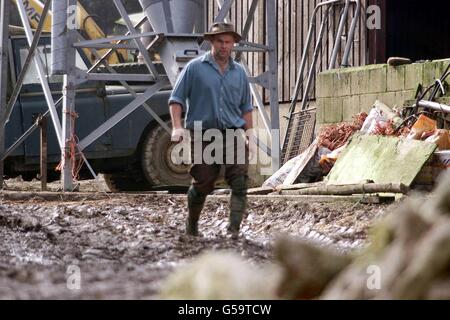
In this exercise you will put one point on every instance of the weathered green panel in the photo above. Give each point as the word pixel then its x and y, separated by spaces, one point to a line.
pixel 381 159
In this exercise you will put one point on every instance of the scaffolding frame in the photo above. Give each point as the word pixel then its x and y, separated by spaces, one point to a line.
pixel 74 77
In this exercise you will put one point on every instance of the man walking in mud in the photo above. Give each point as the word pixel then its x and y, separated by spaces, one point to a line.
pixel 213 90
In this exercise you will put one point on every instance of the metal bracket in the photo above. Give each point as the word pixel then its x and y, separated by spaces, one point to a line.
pixel 262 80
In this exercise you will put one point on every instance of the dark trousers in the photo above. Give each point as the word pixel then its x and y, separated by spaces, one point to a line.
pixel 205 172
pixel 234 158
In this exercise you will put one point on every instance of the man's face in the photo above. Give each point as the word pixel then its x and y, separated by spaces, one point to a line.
pixel 222 45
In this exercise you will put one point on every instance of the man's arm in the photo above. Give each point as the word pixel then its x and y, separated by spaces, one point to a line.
pixel 175 114
pixel 176 110
pixel 248 118
pixel 251 138
pixel 177 101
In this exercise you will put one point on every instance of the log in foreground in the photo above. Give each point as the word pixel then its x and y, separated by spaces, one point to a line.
pixel 350 189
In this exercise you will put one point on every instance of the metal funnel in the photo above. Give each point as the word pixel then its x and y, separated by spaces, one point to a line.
pixel 172 16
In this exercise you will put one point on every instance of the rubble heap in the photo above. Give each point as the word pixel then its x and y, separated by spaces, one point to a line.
pixel 408 258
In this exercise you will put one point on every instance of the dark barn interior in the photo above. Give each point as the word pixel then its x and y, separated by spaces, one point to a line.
pixel 416 29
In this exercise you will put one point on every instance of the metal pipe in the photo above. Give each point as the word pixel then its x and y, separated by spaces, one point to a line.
pixel 337 43
pixel 69 95
pixel 58 37
pixel 133 105
pixel 27 62
pixel 108 53
pixel 225 7
pixel 299 81
pixel 248 23
pixel 273 83
pixel 41 73
pixel 434 106
pixel 43 153
pixel 351 35
pixel 258 99
pixel 313 65
pixel 436 85
pixel 5 6
pixel 132 36
pixel 134 94
pixel 137 41
pixel 26 134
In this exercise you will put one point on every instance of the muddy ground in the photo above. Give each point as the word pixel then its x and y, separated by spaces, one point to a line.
pixel 126 245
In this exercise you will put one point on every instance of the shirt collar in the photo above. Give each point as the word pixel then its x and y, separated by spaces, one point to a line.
pixel 209 58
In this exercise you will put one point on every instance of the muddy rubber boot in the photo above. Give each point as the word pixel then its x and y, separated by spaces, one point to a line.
pixel 196 200
pixel 238 205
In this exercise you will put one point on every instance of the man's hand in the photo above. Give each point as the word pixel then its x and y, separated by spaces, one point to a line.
pixel 178 134
pixel 252 144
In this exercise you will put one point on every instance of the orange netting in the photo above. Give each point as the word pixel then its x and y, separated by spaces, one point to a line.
pixel 74 155
pixel 336 135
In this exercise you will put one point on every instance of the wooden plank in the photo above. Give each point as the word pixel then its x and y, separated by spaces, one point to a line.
pixel 308 199
pixel 350 189
pixel 380 159
pixel 301 163
pixel 259 191
pixel 299 186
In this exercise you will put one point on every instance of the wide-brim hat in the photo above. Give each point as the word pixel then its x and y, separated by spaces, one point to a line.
pixel 222 28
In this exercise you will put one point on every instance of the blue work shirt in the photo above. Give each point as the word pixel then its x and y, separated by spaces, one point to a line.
pixel 217 100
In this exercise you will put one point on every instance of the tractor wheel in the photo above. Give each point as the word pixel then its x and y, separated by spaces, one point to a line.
pixel 120 182
pixel 156 160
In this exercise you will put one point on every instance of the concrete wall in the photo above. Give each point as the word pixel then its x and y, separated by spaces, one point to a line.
pixel 342 93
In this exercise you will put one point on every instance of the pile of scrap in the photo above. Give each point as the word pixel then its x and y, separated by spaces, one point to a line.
pixel 408 258
pixel 376 153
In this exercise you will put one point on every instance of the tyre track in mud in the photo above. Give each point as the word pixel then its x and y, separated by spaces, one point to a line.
pixel 125 246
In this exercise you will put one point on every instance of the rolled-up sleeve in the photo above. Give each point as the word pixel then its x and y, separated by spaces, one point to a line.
pixel 246 103
pixel 181 90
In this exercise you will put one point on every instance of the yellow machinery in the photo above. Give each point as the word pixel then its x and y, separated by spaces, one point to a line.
pixel 86 23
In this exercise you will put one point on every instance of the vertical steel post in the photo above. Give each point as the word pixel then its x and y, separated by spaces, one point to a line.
pixel 337 43
pixel 5 6
pixel 43 152
pixel 59 37
pixel 271 11
pixel 351 35
pixel 69 87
